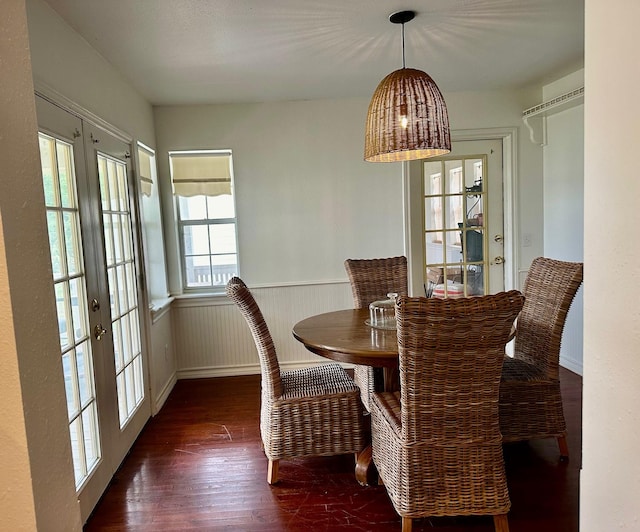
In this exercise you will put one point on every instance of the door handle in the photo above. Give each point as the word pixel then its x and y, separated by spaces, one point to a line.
pixel 498 260
pixel 99 331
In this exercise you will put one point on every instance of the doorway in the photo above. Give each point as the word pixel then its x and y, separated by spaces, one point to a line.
pixel 91 218
pixel 463 223
pixel 459 221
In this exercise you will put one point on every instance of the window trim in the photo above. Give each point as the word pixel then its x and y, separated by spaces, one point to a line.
pixel 181 223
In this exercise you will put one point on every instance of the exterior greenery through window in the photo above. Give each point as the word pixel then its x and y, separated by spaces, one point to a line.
pixel 202 184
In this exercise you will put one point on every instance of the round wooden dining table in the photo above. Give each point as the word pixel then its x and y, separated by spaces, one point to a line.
pixel 344 336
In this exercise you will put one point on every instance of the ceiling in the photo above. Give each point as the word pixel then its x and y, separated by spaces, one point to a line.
pixel 223 51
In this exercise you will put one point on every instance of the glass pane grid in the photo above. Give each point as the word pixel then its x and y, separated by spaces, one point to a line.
pixel 208 240
pixel 130 387
pixel 121 278
pixel 65 246
pixel 454 227
pixel 91 435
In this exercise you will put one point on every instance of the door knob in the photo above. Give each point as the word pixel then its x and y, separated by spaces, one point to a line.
pixel 99 331
pixel 498 238
pixel 498 260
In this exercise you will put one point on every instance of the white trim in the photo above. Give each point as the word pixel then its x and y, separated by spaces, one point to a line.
pixel 509 138
pixel 158 402
pixel 142 145
pixel 571 365
pixel 197 299
pixel 159 307
pixel 51 95
pixel 250 369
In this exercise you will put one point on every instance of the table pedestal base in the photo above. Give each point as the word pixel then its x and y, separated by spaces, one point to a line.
pixel 366 472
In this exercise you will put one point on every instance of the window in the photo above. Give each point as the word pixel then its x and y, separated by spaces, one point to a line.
pixel 151 218
pixel 202 184
pixel 454 206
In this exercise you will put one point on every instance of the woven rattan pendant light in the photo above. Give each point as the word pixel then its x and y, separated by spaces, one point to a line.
pixel 407 116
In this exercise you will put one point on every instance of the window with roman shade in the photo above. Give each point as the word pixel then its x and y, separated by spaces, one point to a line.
pixel 202 184
pixel 201 173
pixel 151 223
pixel 145 161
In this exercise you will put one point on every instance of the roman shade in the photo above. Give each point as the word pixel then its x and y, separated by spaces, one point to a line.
pixel 205 173
pixel 146 177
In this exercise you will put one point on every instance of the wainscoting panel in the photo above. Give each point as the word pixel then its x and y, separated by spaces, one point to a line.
pixel 213 339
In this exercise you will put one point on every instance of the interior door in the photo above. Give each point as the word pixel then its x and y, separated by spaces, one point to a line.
pixel 88 196
pixel 463 221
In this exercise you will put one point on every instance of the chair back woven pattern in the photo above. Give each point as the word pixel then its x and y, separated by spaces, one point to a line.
pixel 314 411
pixel 372 279
pixel 238 292
pixel 441 455
pixel 451 353
pixel 549 289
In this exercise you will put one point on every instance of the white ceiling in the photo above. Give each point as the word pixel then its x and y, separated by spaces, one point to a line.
pixel 214 51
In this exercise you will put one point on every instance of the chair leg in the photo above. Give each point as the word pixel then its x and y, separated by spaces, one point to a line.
pixel 272 471
pixel 564 448
pixel 406 524
pixel 501 523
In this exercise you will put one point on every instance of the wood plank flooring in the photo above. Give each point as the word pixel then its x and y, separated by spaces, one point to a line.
pixel 198 465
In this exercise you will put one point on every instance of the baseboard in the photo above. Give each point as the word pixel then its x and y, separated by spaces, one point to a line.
pixel 571 365
pixel 252 369
pixel 159 401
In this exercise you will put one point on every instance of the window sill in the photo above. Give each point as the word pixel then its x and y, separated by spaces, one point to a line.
pixel 159 307
pixel 202 299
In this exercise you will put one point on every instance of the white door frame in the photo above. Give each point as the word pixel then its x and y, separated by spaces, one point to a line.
pixel 412 205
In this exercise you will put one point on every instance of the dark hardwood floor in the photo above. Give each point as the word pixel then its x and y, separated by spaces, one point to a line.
pixel 198 465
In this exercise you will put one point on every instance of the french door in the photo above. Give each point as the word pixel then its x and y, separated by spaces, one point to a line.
pixel 90 218
pixel 462 222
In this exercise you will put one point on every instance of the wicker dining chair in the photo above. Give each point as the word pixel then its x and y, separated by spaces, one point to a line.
pixel 312 411
pixel 437 443
pixel 371 280
pixel 530 397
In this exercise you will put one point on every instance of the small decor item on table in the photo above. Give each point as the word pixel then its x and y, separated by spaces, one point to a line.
pixel 382 314
pixel 454 290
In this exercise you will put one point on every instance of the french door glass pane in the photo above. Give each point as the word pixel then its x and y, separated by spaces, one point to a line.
pixel 122 283
pixel 454 227
pixel 65 246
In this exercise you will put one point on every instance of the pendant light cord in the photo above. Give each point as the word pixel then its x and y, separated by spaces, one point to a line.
pixel 403 62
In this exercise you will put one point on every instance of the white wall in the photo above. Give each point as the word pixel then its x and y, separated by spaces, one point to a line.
pixel 610 479
pixel 306 201
pixel 305 198
pixel 162 358
pixel 67 68
pixel 564 202
pixel 477 110
pixel 64 61
pixel 37 490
